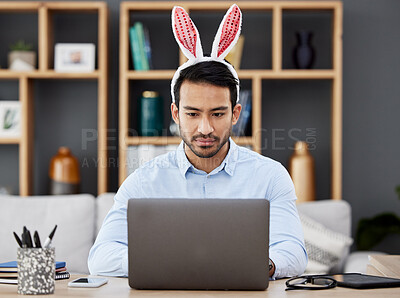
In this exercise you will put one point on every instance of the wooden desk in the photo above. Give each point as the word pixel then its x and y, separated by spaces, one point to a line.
pixel 118 287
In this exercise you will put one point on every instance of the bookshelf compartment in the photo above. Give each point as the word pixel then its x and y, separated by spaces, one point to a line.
pixel 66 24
pixel 9 89
pixel 319 22
pixel 65 118
pixel 14 27
pixel 162 41
pixel 299 110
pixel 257 47
pixel 9 160
pixel 136 88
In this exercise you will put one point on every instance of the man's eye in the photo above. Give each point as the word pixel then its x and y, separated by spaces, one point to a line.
pixel 191 114
pixel 218 114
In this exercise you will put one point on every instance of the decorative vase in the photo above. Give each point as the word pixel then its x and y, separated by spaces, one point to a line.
pixel 22 60
pixel 304 53
pixel 302 171
pixel 151 114
pixel 64 173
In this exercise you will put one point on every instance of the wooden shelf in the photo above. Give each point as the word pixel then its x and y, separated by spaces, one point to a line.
pixel 164 141
pixel 49 74
pixel 276 9
pixel 44 10
pixel 9 141
pixel 243 74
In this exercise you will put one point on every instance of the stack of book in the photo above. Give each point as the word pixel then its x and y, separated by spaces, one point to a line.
pixel 9 272
pixel 140 47
pixel 239 129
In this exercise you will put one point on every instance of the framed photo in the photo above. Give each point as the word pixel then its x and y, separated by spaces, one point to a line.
pixel 10 119
pixel 74 57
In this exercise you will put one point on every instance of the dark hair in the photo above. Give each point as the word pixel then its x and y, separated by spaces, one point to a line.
pixel 210 72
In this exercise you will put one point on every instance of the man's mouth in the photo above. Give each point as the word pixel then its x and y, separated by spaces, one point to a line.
pixel 204 142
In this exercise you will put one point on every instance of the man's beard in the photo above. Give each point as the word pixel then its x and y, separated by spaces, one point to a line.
pixel 217 140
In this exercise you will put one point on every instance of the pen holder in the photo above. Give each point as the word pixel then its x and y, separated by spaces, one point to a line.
pixel 36 270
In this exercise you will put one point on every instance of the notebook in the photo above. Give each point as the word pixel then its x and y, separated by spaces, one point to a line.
pixel 198 244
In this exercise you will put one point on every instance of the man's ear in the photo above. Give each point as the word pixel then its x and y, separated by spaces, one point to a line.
pixel 236 113
pixel 175 113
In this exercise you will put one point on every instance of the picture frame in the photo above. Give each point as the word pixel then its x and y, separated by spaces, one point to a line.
pixel 10 119
pixel 74 57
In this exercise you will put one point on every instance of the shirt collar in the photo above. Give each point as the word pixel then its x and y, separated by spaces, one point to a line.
pixel 228 164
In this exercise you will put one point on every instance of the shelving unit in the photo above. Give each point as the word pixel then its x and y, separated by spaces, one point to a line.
pixel 277 9
pixel 45 11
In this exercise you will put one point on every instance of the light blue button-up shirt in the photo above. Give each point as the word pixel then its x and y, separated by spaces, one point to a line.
pixel 242 174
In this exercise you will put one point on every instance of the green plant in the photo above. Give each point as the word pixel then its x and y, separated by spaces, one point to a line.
pixel 371 231
pixel 21 45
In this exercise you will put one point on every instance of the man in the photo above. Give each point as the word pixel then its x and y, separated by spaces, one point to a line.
pixel 207 163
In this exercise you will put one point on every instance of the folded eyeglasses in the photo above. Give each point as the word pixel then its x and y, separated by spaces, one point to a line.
pixel 308 282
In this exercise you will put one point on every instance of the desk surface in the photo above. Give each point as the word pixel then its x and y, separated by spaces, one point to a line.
pixel 118 287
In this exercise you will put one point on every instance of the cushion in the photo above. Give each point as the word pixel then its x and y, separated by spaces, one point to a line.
pixel 325 247
pixel 74 215
pixel 333 214
pixel 104 204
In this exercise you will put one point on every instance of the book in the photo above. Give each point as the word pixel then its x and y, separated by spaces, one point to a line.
pixel 10 281
pixel 385 265
pixel 14 280
pixel 135 50
pixel 141 41
pixel 62 275
pixel 147 47
pixel 239 129
pixel 8 274
pixel 12 266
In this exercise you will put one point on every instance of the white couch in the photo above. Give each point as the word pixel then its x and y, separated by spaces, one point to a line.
pixel 79 217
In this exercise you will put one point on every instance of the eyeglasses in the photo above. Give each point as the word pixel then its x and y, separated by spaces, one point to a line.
pixel 310 283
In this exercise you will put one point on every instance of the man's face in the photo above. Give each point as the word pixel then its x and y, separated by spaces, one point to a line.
pixel 205 117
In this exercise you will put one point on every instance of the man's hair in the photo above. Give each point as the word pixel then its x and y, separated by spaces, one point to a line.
pixel 210 72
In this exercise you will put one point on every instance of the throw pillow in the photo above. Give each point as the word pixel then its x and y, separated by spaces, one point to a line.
pixel 324 247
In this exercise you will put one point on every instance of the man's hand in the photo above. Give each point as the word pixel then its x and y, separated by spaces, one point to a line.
pixel 271 268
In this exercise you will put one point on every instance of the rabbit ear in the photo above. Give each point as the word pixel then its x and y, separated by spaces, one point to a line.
pixel 186 34
pixel 228 33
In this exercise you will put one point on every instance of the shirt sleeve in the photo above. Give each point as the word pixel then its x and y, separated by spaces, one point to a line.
pixel 286 248
pixel 109 254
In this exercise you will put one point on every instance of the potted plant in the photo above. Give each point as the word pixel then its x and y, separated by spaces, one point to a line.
pixel 21 57
pixel 371 231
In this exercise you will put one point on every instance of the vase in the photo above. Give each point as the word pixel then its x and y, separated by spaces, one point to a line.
pixel 22 60
pixel 64 173
pixel 151 114
pixel 304 53
pixel 302 171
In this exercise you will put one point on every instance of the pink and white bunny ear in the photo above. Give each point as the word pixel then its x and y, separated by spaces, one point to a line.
pixel 228 33
pixel 186 34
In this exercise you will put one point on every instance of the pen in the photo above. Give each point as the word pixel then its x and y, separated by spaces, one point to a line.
pixel 18 240
pixel 48 239
pixel 37 240
pixel 26 238
pixel 29 239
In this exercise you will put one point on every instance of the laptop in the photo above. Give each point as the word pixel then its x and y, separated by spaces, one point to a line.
pixel 198 244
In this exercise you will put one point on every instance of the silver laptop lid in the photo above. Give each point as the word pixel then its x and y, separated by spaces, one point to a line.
pixel 198 243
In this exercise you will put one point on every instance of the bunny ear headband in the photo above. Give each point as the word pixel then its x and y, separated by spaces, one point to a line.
pixel 188 39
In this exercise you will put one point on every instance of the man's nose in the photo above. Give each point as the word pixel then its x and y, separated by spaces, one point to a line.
pixel 205 126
